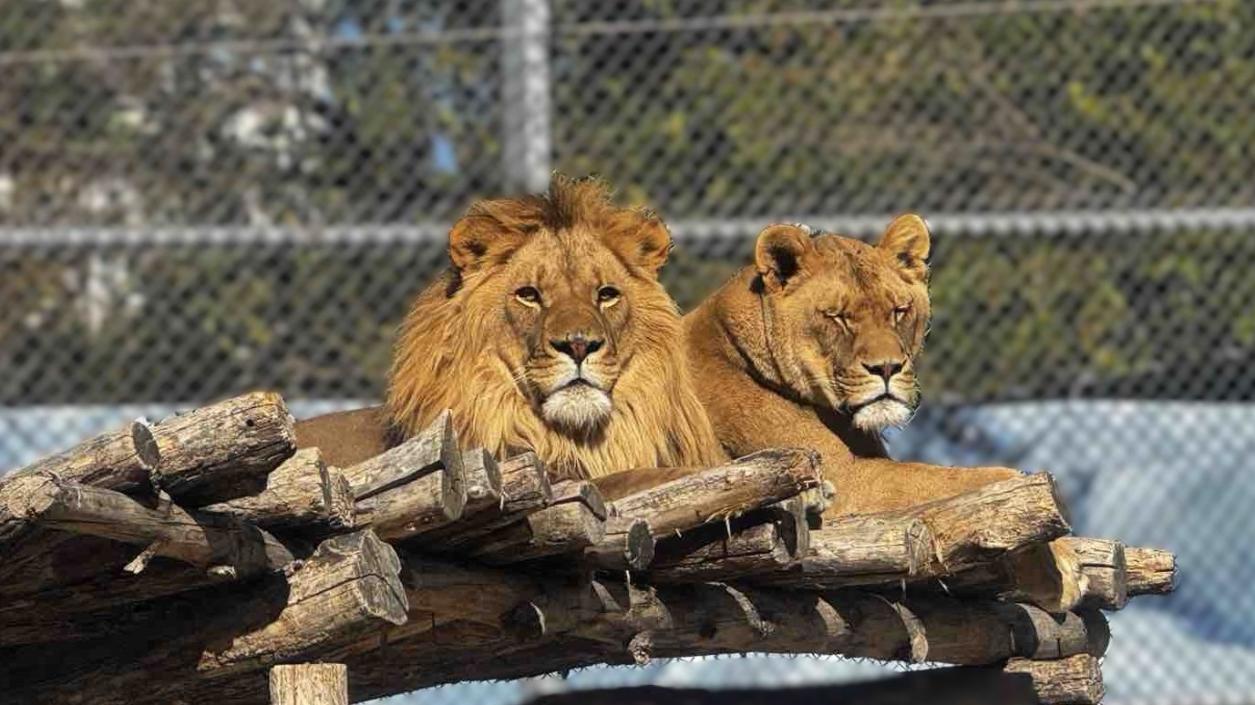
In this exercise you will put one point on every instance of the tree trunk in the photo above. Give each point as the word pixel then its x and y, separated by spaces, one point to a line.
pixel 309 684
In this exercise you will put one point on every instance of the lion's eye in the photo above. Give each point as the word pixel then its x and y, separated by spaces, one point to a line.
pixel 528 295
pixel 900 311
pixel 608 294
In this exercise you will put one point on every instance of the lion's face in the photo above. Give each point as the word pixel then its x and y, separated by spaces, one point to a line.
pixel 566 303
pixel 847 318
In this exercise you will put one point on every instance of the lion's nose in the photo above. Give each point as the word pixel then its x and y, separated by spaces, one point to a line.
pixel 577 347
pixel 885 370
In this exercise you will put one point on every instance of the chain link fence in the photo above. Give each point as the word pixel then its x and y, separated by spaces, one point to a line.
pixel 202 197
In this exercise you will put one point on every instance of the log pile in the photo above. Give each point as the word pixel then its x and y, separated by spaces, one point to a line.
pixel 182 560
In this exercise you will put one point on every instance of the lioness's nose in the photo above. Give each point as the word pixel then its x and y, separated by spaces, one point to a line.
pixel 885 370
pixel 577 347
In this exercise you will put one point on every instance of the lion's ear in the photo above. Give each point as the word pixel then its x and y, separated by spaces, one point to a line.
pixel 780 254
pixel 907 239
pixel 640 240
pixel 476 240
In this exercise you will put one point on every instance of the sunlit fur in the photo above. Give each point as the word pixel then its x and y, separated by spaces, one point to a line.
pixel 471 344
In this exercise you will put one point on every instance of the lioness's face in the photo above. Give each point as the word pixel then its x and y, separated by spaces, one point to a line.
pixel 573 302
pixel 849 318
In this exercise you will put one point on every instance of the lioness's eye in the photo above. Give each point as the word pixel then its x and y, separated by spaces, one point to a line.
pixel 900 311
pixel 607 294
pixel 527 294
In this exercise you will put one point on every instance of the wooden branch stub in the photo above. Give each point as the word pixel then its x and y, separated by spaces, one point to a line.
pixel 309 684
pixel 1104 572
pixel 347 588
pixel 483 481
pixel 301 494
pixel 119 460
pixel 557 530
pixel 203 540
pixel 860 550
pixel 1151 571
pixel 761 542
pixel 225 450
pixel 434 448
pixel 715 493
pixel 1075 680
pixel 627 545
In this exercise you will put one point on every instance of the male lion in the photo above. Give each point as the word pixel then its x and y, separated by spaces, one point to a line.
pixel 815 346
pixel 549 333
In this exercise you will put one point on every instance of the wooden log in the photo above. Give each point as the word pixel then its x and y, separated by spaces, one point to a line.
pixel 225 450
pixel 200 539
pixel 1104 572
pixel 716 493
pixel 854 550
pixel 525 489
pixel 1150 571
pixel 933 540
pixel 118 460
pixel 435 448
pixel 309 684
pixel 301 494
pixel 1075 680
pixel 627 545
pixel 427 503
pixel 557 530
pixel 763 541
pixel 347 590
pixel 483 482
pixel 583 492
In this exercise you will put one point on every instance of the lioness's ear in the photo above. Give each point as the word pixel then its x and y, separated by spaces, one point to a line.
pixel 779 254
pixel 476 240
pixel 640 239
pixel 907 239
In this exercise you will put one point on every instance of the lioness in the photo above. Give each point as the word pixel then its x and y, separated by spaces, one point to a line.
pixel 815 346
pixel 551 333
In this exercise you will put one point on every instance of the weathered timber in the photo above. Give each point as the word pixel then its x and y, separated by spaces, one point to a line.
pixel 1150 571
pixel 347 590
pixel 763 541
pixel 1074 680
pixel 852 550
pixel 301 494
pixel 435 448
pixel 1104 572
pixel 426 503
pixel 933 540
pixel 627 545
pixel 583 492
pixel 483 481
pixel 525 489
pixel 556 530
pixel 309 684
pixel 225 450
pixel 707 618
pixel 716 493
pixel 118 460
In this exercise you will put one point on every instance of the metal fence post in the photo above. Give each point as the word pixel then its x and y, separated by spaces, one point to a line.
pixel 526 155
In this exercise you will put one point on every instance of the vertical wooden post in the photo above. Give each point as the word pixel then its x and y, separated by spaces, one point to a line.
pixel 309 684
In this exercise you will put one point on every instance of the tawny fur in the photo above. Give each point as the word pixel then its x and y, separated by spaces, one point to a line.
pixel 462 347
pixel 783 355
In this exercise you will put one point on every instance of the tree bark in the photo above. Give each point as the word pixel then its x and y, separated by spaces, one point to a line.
pixel 716 493
pixel 1150 571
pixel 483 481
pixel 525 489
pixel 425 504
pixel 561 529
pixel 302 494
pixel 225 450
pixel 435 448
pixel 628 545
pixel 1104 571
pixel 309 684
pixel 1075 680
pixel 761 542
pixel 200 539
pixel 120 460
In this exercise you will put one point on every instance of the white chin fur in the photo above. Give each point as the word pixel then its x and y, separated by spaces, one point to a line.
pixel 882 414
pixel 577 408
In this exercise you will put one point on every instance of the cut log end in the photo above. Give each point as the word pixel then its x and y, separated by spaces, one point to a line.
pixel 1151 571
pixel 628 545
pixel 1075 680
